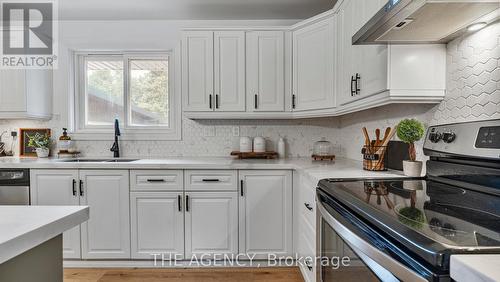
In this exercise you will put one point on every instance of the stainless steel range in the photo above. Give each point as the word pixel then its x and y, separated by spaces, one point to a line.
pixel 407 229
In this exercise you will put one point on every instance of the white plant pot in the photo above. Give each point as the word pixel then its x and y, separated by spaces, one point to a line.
pixel 412 169
pixel 42 152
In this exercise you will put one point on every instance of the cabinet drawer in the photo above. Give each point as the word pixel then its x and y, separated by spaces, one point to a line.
pixel 307 205
pixel 307 250
pixel 209 180
pixel 156 180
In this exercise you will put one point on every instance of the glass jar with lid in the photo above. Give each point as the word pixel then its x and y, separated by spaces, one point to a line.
pixel 322 147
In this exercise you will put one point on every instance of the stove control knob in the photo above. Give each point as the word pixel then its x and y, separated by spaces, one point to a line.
pixel 435 137
pixel 449 137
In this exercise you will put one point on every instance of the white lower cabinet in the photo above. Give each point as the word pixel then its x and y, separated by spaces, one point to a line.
pixel 265 212
pixel 157 220
pixel 58 188
pixel 106 235
pixel 211 223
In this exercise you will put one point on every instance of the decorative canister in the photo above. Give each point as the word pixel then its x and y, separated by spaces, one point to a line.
pixel 245 144
pixel 322 147
pixel 259 144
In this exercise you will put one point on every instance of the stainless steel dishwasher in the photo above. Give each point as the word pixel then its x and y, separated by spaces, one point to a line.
pixel 14 187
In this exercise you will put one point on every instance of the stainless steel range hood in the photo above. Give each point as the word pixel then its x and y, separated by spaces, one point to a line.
pixel 425 21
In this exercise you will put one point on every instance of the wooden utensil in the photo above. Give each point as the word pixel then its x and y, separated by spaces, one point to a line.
pixel 389 133
pixel 368 143
pixel 377 135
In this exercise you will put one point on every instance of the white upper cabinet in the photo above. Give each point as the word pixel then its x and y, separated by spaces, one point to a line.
pixel 265 71
pixel 25 94
pixel 106 192
pixel 213 71
pixel 198 70
pixel 229 74
pixel 313 66
pixel 371 75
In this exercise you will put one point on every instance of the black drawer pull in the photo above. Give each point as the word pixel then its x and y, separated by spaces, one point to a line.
pixel 216 101
pixel 210 101
pixel 241 188
pixel 179 199
pixel 155 180
pixel 353 85
pixel 187 203
pixel 74 187
pixel 358 78
pixel 308 266
pixel 308 206
pixel 210 180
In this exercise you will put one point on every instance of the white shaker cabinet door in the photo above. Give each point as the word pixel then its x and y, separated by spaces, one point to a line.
pixel 198 71
pixel 229 71
pixel 265 212
pixel 211 223
pixel 157 224
pixel 106 235
pixel 58 188
pixel 12 90
pixel 314 65
pixel 265 71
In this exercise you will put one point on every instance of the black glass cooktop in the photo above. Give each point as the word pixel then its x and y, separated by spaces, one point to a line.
pixel 431 217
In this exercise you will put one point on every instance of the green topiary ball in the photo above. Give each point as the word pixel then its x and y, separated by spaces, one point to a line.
pixel 410 130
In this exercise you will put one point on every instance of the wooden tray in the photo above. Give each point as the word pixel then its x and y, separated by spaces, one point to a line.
pixel 255 155
pixel 323 158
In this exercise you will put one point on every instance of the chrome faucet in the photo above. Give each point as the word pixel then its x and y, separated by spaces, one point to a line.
pixel 116 148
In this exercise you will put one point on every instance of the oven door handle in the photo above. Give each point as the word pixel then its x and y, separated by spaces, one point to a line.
pixel 354 241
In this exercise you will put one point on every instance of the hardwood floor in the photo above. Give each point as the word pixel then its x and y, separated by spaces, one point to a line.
pixel 276 274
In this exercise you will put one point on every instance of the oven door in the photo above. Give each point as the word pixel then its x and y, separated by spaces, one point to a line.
pixel 347 249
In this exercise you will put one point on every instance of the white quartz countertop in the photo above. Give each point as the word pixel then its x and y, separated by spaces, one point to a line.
pixel 25 227
pixel 340 168
pixel 485 268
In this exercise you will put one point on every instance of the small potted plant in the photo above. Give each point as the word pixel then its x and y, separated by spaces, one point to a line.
pixel 410 131
pixel 41 143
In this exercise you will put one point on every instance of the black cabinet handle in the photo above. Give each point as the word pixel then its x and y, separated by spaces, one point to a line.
pixel 74 187
pixel 179 199
pixel 155 180
pixel 210 180
pixel 308 206
pixel 358 78
pixel 293 101
pixel 216 101
pixel 210 101
pixel 353 82
pixel 241 188
pixel 81 188
pixel 187 203
pixel 256 101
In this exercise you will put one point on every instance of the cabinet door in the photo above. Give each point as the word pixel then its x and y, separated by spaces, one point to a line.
pixel 367 61
pixel 198 70
pixel 265 212
pixel 313 66
pixel 265 71
pixel 229 77
pixel 106 234
pixel 157 224
pixel 58 188
pixel 12 91
pixel 211 223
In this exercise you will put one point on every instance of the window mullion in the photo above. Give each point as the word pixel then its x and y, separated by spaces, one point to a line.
pixel 126 91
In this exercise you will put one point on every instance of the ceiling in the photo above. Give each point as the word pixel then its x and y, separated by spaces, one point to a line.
pixel 191 9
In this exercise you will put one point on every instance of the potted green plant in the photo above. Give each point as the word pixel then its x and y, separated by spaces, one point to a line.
pixel 410 131
pixel 41 143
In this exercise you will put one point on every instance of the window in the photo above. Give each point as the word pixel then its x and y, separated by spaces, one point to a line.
pixel 136 89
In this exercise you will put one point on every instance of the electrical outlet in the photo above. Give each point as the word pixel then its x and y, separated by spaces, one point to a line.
pixel 236 131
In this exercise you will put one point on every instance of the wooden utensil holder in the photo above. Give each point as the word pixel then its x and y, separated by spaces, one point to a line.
pixel 374 158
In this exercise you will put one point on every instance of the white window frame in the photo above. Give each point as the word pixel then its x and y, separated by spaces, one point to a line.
pixel 77 101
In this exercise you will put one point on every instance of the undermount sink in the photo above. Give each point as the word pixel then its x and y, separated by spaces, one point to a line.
pixel 99 160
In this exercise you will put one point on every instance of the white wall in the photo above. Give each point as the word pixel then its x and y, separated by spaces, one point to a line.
pixel 473 93
pixel 206 138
